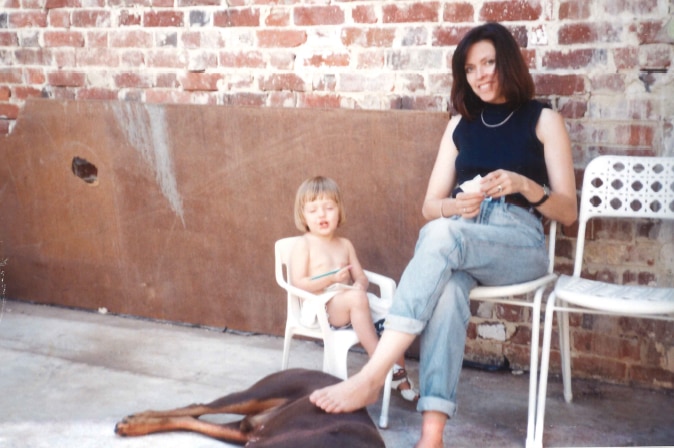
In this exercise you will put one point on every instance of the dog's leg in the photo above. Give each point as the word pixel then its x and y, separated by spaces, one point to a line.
pixel 186 419
pixel 257 403
pixel 193 410
pixel 143 426
pixel 224 405
pixel 270 392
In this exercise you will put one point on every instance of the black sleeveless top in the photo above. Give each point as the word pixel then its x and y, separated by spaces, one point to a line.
pixel 513 146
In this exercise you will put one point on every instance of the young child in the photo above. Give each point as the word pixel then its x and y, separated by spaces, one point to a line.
pixel 322 262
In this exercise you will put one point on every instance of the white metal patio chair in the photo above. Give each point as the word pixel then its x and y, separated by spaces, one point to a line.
pixel 505 295
pixel 336 343
pixel 613 187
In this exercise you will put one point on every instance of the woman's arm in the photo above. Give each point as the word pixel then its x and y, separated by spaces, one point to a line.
pixel 437 202
pixel 562 206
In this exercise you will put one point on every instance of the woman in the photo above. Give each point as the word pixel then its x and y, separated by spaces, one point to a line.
pixel 504 149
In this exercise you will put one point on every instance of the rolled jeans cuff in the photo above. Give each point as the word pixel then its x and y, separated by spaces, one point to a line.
pixel 437 405
pixel 404 324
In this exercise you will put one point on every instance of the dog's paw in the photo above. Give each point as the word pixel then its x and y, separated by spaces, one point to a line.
pixel 120 428
pixel 129 418
pixel 136 417
pixel 131 427
pixel 128 425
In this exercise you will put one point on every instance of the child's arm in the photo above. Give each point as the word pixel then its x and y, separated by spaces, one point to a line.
pixel 360 280
pixel 301 277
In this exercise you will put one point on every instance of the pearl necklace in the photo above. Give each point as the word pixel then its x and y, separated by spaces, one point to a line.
pixel 498 124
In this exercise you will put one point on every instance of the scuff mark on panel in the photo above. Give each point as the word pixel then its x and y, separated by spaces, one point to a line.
pixel 144 126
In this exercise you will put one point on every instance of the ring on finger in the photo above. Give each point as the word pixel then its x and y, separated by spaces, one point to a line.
pixel 500 188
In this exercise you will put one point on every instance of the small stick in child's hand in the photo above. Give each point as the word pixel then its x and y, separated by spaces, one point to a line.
pixel 325 274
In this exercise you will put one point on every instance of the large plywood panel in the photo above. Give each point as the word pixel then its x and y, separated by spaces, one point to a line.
pixel 188 201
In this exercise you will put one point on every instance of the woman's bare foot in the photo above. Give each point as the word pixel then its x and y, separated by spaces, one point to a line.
pixel 422 443
pixel 432 427
pixel 354 393
pixel 363 388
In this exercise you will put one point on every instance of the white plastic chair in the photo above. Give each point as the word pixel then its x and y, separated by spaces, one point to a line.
pixel 336 343
pixel 505 295
pixel 613 187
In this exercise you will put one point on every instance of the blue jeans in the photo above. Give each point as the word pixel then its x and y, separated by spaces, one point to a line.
pixel 504 244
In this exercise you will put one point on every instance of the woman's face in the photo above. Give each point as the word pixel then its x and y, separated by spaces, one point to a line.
pixel 481 72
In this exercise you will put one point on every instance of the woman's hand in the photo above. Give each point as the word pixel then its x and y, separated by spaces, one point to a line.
pixel 501 183
pixel 468 204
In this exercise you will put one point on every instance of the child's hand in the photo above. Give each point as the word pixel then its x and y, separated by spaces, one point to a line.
pixel 343 275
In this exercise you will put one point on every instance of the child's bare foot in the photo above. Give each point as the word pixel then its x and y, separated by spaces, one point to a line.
pixel 347 396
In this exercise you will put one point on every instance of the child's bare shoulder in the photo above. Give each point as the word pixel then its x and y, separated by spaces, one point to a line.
pixel 345 243
pixel 301 245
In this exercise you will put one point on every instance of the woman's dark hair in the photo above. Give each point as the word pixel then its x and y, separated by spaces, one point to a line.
pixel 513 74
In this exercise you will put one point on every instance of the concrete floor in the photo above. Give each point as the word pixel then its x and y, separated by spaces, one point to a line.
pixel 67 376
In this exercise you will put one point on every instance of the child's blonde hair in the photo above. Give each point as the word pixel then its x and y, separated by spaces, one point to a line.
pixel 312 189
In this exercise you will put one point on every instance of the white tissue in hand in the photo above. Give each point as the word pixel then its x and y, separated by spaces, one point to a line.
pixel 471 186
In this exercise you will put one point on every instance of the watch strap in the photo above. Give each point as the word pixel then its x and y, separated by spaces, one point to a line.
pixel 546 196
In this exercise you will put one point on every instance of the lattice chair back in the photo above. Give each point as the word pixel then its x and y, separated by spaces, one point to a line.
pixel 625 186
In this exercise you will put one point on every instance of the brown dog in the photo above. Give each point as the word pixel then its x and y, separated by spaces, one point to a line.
pixel 278 414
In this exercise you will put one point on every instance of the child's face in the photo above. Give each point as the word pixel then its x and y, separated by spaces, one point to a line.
pixel 322 216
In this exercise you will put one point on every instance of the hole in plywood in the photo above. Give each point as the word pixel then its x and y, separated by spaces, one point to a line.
pixel 85 170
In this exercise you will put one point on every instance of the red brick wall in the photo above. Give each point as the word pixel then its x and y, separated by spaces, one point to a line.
pixel 605 65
